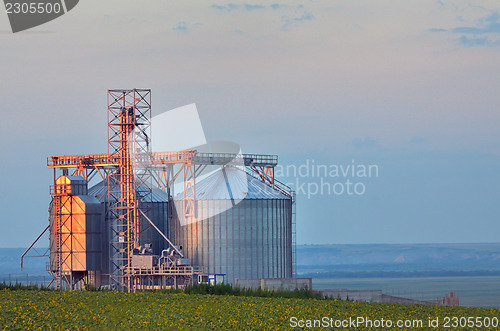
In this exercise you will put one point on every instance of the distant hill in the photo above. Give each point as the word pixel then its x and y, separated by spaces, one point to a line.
pixel 425 259
pixel 347 260
pixel 10 262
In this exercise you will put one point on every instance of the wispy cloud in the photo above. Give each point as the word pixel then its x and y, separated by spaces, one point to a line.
pixel 277 6
pixel 252 7
pixel 232 6
pixel 228 7
pixel 484 32
pixel 492 18
pixel 184 27
pixel 489 28
pixel 290 21
pixel 181 27
pixel 471 42
pixel 292 15
pixel 437 30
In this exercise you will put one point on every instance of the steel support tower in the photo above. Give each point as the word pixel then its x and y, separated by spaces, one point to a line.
pixel 129 118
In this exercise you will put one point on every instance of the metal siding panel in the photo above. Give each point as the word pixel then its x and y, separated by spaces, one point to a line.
pixel 265 209
pixel 260 217
pixel 248 240
pixel 217 242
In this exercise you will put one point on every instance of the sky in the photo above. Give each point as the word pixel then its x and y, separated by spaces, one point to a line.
pixel 408 87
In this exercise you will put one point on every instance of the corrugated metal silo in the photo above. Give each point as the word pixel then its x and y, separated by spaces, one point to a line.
pixel 157 211
pixel 75 230
pixel 243 227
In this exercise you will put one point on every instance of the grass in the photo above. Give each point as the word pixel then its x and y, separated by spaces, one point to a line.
pixel 227 289
pixel 218 289
pixel 103 310
pixel 19 286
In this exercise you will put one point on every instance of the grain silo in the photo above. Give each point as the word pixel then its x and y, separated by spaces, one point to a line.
pixel 243 227
pixel 75 232
pixel 156 208
pixel 238 221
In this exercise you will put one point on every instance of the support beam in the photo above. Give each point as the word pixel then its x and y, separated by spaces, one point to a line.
pixel 33 244
pixel 161 233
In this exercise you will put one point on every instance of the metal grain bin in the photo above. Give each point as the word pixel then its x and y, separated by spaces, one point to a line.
pixel 75 233
pixel 243 227
pixel 156 210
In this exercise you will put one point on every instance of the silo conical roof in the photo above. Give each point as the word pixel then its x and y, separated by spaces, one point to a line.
pixel 232 183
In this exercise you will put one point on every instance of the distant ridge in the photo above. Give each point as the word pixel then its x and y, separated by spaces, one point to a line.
pixel 403 260
pixel 355 260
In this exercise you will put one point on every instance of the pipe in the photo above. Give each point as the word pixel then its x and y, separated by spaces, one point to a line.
pixel 161 233
pixel 33 244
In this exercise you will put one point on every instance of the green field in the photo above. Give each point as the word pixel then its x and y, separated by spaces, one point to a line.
pixel 46 310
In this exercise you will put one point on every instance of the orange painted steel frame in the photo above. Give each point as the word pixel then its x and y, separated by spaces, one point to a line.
pixel 129 114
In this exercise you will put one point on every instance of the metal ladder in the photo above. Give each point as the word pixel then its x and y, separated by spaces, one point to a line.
pixel 56 214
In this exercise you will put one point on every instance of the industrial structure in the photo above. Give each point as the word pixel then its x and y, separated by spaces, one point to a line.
pixel 131 232
pixel 251 239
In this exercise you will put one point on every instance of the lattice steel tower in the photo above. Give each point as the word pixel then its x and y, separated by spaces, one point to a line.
pixel 129 184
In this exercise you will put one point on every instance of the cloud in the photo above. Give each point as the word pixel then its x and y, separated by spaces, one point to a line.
pixel 293 20
pixel 489 28
pixel 437 30
pixel 228 7
pixel 471 42
pixel 488 24
pixel 232 6
pixel 294 14
pixel 277 6
pixel 305 17
pixel 185 27
pixel 492 18
pixel 253 7
pixel 486 32
pixel 181 27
